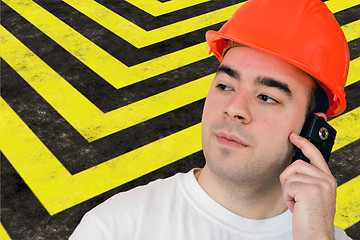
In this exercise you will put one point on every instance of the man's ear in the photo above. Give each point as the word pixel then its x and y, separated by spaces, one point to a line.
pixel 322 115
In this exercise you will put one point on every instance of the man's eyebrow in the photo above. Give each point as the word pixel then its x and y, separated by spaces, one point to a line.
pixel 229 71
pixel 270 82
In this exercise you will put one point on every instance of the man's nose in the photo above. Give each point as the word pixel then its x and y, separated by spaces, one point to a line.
pixel 238 107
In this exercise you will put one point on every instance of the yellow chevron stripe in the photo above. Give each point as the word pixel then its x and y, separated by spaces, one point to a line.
pixel 97 59
pixel 354 71
pixel 140 37
pixel 347 127
pixel 352 30
pixel 57 190
pixel 52 87
pixel 339 5
pixel 157 8
pixel 348 204
pixel 3 234
pixel 86 118
pixel 105 65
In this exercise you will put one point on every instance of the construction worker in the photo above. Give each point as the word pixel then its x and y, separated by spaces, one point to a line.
pixel 281 61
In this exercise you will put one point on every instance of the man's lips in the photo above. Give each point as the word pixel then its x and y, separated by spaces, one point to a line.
pixel 230 140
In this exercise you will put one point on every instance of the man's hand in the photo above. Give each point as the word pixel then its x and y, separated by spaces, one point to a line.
pixel 310 193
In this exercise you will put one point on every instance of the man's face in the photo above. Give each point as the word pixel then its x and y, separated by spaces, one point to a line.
pixel 255 101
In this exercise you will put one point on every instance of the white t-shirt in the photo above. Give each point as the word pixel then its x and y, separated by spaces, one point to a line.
pixel 177 208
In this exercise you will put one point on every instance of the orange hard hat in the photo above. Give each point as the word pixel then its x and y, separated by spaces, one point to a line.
pixel 301 32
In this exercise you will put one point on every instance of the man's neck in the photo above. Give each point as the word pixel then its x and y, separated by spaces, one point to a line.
pixel 254 202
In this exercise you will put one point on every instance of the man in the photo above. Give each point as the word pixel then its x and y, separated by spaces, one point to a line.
pixel 280 61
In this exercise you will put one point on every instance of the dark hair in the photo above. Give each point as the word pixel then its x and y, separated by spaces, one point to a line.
pixel 318 100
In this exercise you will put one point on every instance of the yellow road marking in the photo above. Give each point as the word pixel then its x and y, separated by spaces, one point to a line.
pixel 3 234
pixel 58 190
pixel 339 5
pixel 352 30
pixel 140 37
pixel 86 118
pixel 347 127
pixel 348 204
pixel 157 8
pixel 354 71
pixel 105 65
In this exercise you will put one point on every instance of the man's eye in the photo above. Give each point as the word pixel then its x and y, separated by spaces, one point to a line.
pixel 267 99
pixel 223 87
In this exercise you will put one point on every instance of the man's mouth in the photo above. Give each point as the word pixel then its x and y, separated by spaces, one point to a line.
pixel 230 140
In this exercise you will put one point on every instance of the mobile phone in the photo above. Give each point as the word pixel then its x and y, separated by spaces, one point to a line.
pixel 319 133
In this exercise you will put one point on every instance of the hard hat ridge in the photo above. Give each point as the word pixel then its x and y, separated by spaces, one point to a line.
pixel 301 32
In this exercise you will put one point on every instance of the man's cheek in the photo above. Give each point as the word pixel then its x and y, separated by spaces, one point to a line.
pixel 277 132
pixel 272 125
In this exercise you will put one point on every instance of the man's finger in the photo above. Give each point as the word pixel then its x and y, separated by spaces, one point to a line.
pixel 310 151
pixel 303 168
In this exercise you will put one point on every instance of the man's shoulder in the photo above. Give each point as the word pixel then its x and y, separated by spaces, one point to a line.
pixel 340 234
pixel 153 188
pixel 138 197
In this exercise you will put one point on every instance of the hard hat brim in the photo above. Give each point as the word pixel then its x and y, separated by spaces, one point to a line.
pixel 218 41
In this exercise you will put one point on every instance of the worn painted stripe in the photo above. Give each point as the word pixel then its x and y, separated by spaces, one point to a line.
pixel 108 67
pixel 348 204
pixel 4 235
pixel 57 189
pixel 52 87
pixel 352 30
pixel 354 72
pixel 347 127
pixel 339 5
pixel 98 60
pixel 85 117
pixel 140 37
pixel 157 8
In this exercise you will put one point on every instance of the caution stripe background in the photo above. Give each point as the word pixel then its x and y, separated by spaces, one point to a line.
pixel 98 97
